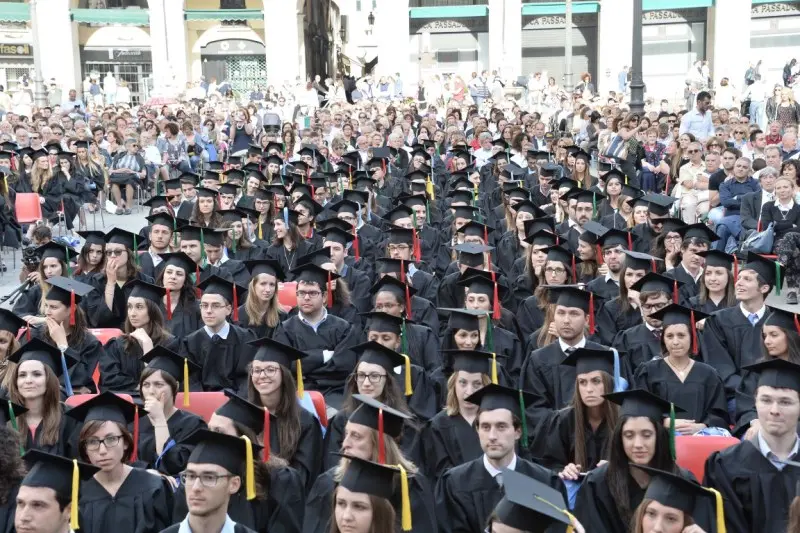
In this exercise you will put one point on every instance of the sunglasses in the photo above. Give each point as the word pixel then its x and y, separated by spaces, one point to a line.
pixel 692 151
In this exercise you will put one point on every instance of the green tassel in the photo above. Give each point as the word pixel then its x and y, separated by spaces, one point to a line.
pixel 427 212
pixel 524 417
pixel 489 334
pixel 414 219
pixel 135 250
pixel 594 206
pixel 203 257
pixel 234 239
pixel 403 338
pixel 13 418
pixel 672 430
pixel 778 281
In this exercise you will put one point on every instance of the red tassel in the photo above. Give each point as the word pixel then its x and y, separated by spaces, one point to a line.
pixel 653 265
pixel 735 268
pixel 591 313
pixel 381 444
pixel 758 227
pixel 169 305
pixel 599 254
pixel 266 435
pixel 135 454
pixel 695 348
pixel 312 191
pixel 235 304
pixel 496 311
pixel 356 251
pixel 197 290
pixel 417 248
pixel 329 291
pixel 96 377
pixel 72 308
pixel 402 271
pixel 28 332
pixel 675 291
pixel 630 241
pixel 408 303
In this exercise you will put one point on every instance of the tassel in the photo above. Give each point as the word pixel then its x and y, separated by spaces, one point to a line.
pixel 672 430
pixel 403 338
pixel 135 453
pixel 494 368
pixel 76 483
pixel 28 332
pixel 594 206
pixel 260 230
pixel 65 370
pixel 96 377
pixel 203 257
pixel 599 254
pixel 735 268
pixel 554 506
pixel 695 349
pixel 409 388
pixel 329 290
pixel 591 313
pixel 652 265
pixel 619 383
pixel 186 393
pixel 174 230
pixel 496 311
pixel 778 280
pixel 249 477
pixel 524 440
pixel 408 303
pixel 286 217
pixel 427 212
pixel 235 304
pixel 675 291
pixel 381 443
pixel 630 241
pixel 13 418
pixel 266 435
pixel 796 324
pixel 135 250
pixel 720 510
pixel 429 190
pixel 169 305
pixel 356 250
pixel 405 499
pixel 197 290
pixel 301 390
pixel 574 273
pixel 72 308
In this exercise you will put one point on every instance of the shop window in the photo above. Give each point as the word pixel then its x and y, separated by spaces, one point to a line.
pixel 232 4
pixel 112 4
pixel 437 3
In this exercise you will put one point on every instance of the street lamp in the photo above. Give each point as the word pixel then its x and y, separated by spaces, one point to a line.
pixel 637 82
pixel 39 95
pixel 371 19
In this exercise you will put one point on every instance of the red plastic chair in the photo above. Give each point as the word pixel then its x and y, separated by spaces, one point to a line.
pixel 692 451
pixel 320 406
pixel 27 207
pixel 203 404
pixel 77 399
pixel 106 334
pixel 287 295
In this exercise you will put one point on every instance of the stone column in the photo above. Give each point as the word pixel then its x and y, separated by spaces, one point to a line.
pixel 614 42
pixel 505 37
pixel 729 39
pixel 169 48
pixel 392 33
pixel 60 56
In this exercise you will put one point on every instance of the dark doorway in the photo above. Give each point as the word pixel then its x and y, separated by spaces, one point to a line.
pixel 215 68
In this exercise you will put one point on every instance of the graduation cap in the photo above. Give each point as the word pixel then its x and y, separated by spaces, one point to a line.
pixel 211 175
pixel 234 160
pixel 228 189
pixel 271 351
pixel 616 237
pixel 258 419
pixel 680 493
pixel 529 503
pixel 494 396
pixel 398 287
pixel 205 192
pixel 337 235
pixel 67 291
pixel 715 258
pixel 476 229
pixel 466 319
pixel 189 178
pixel 771 271
pixel 157 202
pixel 37 154
pixel 380 417
pixel 229 290
pixel 501 156
pixel 577 297
pixel 677 314
pixel 658 204
pixel 542 238
pixel 586 360
pixel 698 231
pixel 273 145
pixel 180 260
pixel 484 282
pixel 671 225
pixel 311 273
pixel 472 255
pixel 218 166
pixel 8 146
pixel 63 475
pixel 465 211
pixel 148 291
pixel 314 207
pixel 640 261
pixel 108 407
pixel 563 255
pixel 378 479
pixel 652 282
pixel 254 149
pixel 172 184
pixel 355 196
pixel 234 454
pixel 177 366
pixel 265 266
pixel 38 350
pixel 473 362
pixel 378 354
pixel 538 224
pixel 11 322
pixel 62 252
pixel 639 402
pixel 526 206
pixel 777 373
pixel 163 219
pixel 318 257
pixel 123 237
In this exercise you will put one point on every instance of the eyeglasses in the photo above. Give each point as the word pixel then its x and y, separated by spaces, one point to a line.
pixel 216 306
pixel 207 480
pixel 397 247
pixel 373 377
pixel 554 270
pixel 308 294
pixel 114 253
pixel 94 444
pixel 655 307
pixel 692 151
pixel 268 371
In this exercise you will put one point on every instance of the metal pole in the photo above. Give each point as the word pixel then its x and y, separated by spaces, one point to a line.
pixel 166 80
pixel 637 82
pixel 39 94
pixel 568 87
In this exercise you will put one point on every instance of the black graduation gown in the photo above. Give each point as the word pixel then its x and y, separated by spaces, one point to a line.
pixel 553 444
pixel 552 383
pixel 146 264
pixel 237 271
pixel 449 441
pixel 319 506
pixel 143 504
pixel 730 342
pixel 608 290
pixel 245 254
pixel 614 221
pixel 28 302
pixel 646 237
pixel 175 456
pixel 307 458
pixel 185 210
pixel 756 495
pixel 333 334
pixel 65 446
pixel 224 365
pixel 424 312
pixel 427 286
pixel 708 307
pixel 701 394
pixel 508 251
pixel 523 287
pixel 639 343
pixel 610 320
pixel 596 506
pixel 359 284
pixel 288 260
pixel 89 352
pixel 281 512
pixel 261 330
pixel 690 287
pixel 530 317
pixel 509 351
pixel 100 316
pixel 121 369
pixel 185 319
pixel 745 402
pixel 467 494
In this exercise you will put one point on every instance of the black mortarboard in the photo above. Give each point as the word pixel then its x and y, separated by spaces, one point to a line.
pixel 472 255
pixel 390 283
pixel 585 196
pixel 37 154
pixel 210 175
pixel 639 402
pixel 368 477
pixel 384 322
pixel 254 149
pixel 399 235
pixel 121 236
pixel 216 165
pixel 62 252
pixel 465 319
pixel 475 229
pixel 177 366
pixel 62 288
pixel 658 204
pixel 355 196
pixel 530 505
pixel 172 184
pixel 337 235
pixel 616 237
pixel 482 282
pixel 640 261
pixel 228 189
pixel 777 373
pixel 586 360
pixel 471 361
pixel 11 322
pixel 371 410
pixel 677 314
pixel 494 396
pixel 271 351
pixel 715 258
pixel 157 202
pixel 180 260
pixel 190 178
pixel 229 452
pixel 244 412
pixel 378 354
pixel 227 289
pixel 698 231
pixel 570 296
pixel 465 211
pixel 673 491
pixel 232 215
pixel 311 273
pixel 265 266
pixel 783 318
pixel 163 219
pixel 318 257
pixel 771 271
pixel 543 238
pixel 38 350
pixel 538 224
pixel 272 145
pixel 106 407
pixel 565 183
pixel 148 291
pixel 82 144
pixel 653 282
pixel 236 176
pixel 671 225
pixel 205 192
pixel 398 213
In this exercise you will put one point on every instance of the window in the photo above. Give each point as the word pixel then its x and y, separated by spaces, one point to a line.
pixel 112 4
pixel 232 4
pixel 358 5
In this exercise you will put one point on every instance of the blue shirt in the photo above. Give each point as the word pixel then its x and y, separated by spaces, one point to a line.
pixel 731 192
pixel 698 125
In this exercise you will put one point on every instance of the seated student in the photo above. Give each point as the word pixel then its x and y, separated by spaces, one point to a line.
pixel 159 239
pixel 180 297
pixel 470 256
pixel 338 301
pixel 296 432
pixel 574 440
pixel 543 372
pixel 510 246
pixel 349 210
pixel 716 286
pixel 326 339
pixel 610 493
pixel 33 384
pixel 358 283
pixel 613 243
pixel 162 432
pixel 261 312
pixel 466 494
pixel 732 337
pixel 400 248
pixel 371 434
pixel 280 495
pixel 450 439
pixel 696 238
pixel 679 379
pixel 530 268
pixel 118 496
pixel 287 244
pixel 395 298
pixel 374 377
pixel 237 241
pixel 121 365
pixel 219 347
pixel 45 500
pixel 643 342
pixel 758 477
pixel 92 258
pixel 220 467
pixel 622 312
pixel 54 262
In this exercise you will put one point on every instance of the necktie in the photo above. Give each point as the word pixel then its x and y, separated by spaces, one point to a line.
pixel 657 334
pixel 216 339
pixel 753 318
pixel 499 479
pixel 569 351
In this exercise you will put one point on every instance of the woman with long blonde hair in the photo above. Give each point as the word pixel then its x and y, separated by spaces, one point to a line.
pixel 46 181
pixel 261 312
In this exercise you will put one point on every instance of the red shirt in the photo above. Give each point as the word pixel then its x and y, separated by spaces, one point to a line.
pixel 774 139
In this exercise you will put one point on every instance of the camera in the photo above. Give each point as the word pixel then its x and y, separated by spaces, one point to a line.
pixel 31 258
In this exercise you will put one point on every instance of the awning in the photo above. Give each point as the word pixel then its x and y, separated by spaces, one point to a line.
pixel 658 5
pixel 112 17
pixel 224 14
pixel 433 12
pixel 559 8
pixel 14 12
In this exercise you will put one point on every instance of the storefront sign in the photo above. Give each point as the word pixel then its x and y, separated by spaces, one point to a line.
pixel 233 47
pixel 16 50
pixel 116 55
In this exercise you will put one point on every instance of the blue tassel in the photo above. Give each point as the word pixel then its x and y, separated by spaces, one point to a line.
pixel 620 383
pixel 67 382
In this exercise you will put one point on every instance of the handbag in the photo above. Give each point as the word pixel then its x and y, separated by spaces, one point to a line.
pixel 760 242
pixel 617 148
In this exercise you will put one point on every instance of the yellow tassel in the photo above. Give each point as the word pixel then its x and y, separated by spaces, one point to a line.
pixel 405 520
pixel 429 188
pixel 494 368
pixel 409 388
pixel 76 482
pixel 249 477
pixel 301 390
pixel 260 231
pixel 720 510
pixel 554 506
pixel 185 382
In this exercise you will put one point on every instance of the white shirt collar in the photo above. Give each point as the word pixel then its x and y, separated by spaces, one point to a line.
pixel 648 326
pixel 157 259
pixel 493 471
pixel 763 447
pixel 760 312
pixel 228 527
pixel 609 278
pixel 564 346
pixel 226 329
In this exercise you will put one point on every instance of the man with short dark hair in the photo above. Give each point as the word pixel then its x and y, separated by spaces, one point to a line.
pixel 698 120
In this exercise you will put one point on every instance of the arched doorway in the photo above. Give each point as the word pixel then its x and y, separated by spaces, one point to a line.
pixel 235 54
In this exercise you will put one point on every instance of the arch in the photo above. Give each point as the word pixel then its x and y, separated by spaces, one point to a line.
pixel 119 36
pixel 221 33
